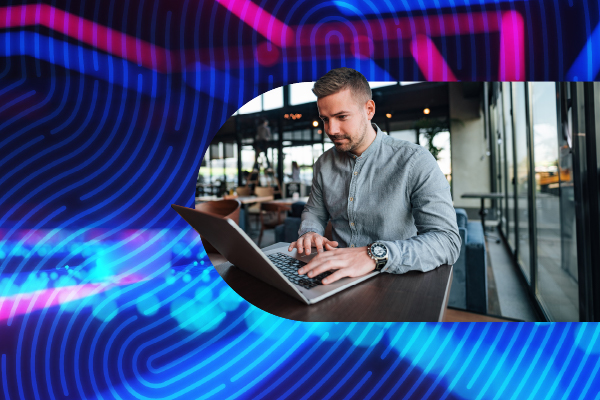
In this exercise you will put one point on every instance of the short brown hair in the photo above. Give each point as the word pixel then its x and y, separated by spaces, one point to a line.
pixel 343 78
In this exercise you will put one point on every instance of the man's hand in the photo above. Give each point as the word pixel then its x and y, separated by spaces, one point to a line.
pixel 309 239
pixel 349 262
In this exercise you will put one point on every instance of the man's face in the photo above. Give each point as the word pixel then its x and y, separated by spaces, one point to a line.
pixel 346 119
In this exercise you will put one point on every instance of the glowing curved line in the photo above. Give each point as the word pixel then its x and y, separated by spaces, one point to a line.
pixel 153 57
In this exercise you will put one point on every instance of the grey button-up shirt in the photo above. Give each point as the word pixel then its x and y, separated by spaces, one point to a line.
pixel 395 193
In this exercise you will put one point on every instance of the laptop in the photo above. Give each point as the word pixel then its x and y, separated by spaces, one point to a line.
pixel 276 267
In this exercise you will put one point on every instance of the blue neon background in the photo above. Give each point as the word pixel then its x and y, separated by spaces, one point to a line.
pixel 96 148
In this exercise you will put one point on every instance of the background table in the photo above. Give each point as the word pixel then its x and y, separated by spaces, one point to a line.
pixel 410 297
pixel 246 202
pixel 286 204
pixel 482 210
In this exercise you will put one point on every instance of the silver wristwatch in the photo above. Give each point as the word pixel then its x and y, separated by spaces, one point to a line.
pixel 378 252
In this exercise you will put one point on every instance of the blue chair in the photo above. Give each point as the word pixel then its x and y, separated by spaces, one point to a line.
pixel 469 281
pixel 288 231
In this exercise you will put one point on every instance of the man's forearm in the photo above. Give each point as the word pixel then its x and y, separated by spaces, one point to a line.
pixel 423 252
pixel 310 224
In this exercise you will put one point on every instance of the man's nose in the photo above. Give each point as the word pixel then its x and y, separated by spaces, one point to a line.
pixel 334 127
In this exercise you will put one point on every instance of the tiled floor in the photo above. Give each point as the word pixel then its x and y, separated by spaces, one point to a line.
pixel 513 300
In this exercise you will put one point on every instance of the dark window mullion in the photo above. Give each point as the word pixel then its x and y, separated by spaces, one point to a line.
pixel 532 209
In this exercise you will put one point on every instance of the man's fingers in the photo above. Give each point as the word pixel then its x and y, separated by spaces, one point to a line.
pixel 307 244
pixel 299 244
pixel 336 276
pixel 331 245
pixel 319 244
pixel 292 245
pixel 323 266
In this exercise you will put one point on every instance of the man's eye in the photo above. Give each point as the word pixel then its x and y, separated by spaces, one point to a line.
pixel 342 117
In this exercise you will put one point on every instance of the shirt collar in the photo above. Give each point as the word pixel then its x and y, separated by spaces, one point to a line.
pixel 372 147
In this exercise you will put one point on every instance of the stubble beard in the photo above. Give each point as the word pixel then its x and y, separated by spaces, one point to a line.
pixel 353 145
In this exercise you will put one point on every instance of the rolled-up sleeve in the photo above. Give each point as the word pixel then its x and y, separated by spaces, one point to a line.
pixel 438 241
pixel 314 215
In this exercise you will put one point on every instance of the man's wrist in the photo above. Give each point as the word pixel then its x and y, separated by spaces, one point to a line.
pixel 379 253
pixel 306 233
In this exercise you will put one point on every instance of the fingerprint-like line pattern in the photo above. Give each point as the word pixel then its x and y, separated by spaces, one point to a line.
pixel 487 356
pixel 334 369
pixel 588 384
pixel 549 364
pixel 582 362
pixel 524 349
pixel 319 363
pixel 500 363
pixel 450 361
pixel 432 362
pixel 530 369
pixel 359 363
pixel 104 128
pixel 413 364
pixel 467 361
pixel 566 363
pixel 273 367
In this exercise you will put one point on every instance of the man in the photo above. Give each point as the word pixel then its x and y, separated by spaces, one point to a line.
pixel 263 135
pixel 388 201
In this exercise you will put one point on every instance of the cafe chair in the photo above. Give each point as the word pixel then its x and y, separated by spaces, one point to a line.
pixel 469 289
pixel 259 191
pixel 243 191
pixel 223 208
pixel 288 230
pixel 271 215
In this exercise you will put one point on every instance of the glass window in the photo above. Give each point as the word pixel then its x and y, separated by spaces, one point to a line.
pixel 410 135
pixel 441 141
pixel 556 285
pixel 501 156
pixel 303 155
pixel 495 142
pixel 273 99
pixel 307 134
pixel 522 186
pixel 301 93
pixel 510 165
pixel 375 85
pixel 254 105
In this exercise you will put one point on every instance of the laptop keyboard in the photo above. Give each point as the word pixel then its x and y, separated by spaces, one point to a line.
pixel 289 266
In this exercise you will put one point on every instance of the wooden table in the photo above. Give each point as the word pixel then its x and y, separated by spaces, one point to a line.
pixel 254 199
pixel 286 204
pixel 410 297
pixel 246 202
pixel 243 199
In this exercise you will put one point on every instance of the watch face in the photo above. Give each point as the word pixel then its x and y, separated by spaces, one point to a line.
pixel 379 250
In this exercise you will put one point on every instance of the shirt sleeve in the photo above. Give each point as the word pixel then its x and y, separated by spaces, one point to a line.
pixel 438 241
pixel 315 215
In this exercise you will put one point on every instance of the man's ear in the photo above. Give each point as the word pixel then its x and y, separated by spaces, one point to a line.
pixel 370 109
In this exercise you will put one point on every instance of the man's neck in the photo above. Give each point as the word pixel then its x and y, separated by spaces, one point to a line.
pixel 369 139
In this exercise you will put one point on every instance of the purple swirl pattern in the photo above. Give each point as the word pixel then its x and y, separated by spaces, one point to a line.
pixel 106 109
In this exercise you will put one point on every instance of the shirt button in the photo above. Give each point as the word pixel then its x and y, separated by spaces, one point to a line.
pixel 351 245
pixel 351 223
pixel 351 198
pixel 355 173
